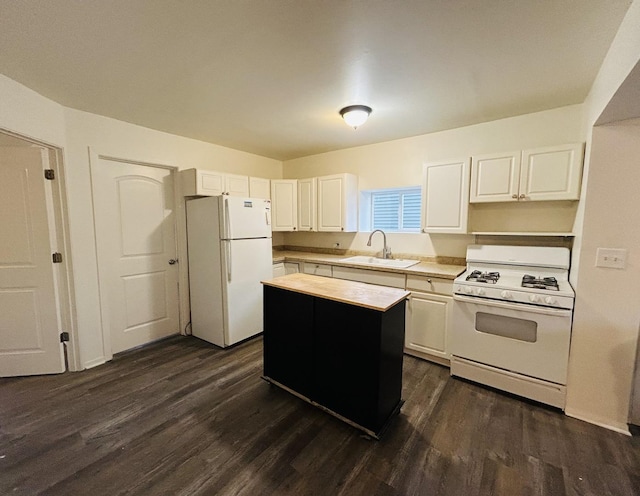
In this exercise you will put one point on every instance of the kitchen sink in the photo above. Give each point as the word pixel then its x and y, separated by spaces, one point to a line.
pixel 380 262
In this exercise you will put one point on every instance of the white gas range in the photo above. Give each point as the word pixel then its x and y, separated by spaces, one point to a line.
pixel 512 320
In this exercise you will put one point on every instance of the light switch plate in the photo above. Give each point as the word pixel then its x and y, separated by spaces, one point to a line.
pixel 611 258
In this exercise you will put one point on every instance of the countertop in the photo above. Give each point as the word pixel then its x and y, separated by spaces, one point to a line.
pixel 430 269
pixel 360 294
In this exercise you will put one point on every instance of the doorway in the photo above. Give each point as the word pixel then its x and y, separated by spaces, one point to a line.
pixel 37 328
pixel 135 227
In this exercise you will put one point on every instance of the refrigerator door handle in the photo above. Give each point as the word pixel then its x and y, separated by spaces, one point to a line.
pixel 227 219
pixel 227 249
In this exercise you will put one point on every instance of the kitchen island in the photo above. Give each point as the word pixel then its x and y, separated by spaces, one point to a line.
pixel 337 344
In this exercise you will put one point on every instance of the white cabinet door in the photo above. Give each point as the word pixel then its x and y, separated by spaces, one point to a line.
pixel 195 182
pixel 445 197
pixel 236 185
pixel 428 319
pixel 551 173
pixel 284 204
pixel 259 188
pixel 307 204
pixel 539 174
pixel 338 203
pixel 278 269
pixel 495 177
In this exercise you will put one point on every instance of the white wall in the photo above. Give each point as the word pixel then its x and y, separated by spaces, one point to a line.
pixel 30 114
pixel 607 311
pixel 399 163
pixel 109 137
pixel 605 326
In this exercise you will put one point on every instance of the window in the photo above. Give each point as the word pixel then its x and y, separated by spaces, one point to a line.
pixel 396 209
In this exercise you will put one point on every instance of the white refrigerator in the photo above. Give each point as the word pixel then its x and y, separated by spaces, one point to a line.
pixel 229 246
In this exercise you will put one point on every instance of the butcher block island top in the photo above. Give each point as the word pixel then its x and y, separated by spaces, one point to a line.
pixel 360 294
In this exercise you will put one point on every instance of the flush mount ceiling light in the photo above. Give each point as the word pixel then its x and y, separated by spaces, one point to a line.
pixel 355 115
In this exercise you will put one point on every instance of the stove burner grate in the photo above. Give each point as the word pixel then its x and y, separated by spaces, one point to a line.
pixel 534 282
pixel 487 277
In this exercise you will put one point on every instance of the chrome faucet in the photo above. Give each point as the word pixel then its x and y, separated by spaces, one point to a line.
pixel 386 251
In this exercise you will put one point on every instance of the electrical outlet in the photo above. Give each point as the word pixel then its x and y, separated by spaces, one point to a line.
pixel 611 258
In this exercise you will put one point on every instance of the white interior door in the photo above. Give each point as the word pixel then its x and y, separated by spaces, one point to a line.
pixel 135 231
pixel 29 317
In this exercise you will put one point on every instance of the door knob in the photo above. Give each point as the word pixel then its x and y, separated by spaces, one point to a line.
pixel 173 261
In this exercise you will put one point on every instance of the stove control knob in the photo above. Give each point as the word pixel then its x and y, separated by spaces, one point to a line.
pixel 468 290
pixel 480 291
pixel 550 301
pixel 506 295
pixel 534 298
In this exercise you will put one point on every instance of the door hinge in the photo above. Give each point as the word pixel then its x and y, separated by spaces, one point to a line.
pixel 49 174
pixel 57 257
pixel 64 337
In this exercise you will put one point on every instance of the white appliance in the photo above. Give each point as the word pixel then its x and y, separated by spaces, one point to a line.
pixel 512 314
pixel 229 244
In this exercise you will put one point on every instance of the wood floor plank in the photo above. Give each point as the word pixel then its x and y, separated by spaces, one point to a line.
pixel 182 417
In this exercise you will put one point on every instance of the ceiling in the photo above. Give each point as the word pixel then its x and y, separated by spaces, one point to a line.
pixel 269 76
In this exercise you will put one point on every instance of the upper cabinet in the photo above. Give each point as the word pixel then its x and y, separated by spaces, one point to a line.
pixel 236 185
pixel 201 183
pixel 284 204
pixel 445 193
pixel 495 177
pixel 338 203
pixel 196 182
pixel 259 187
pixel 550 173
pixel 307 204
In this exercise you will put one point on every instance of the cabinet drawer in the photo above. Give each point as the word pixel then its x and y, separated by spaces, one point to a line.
pixel 291 267
pixel 370 276
pixel 430 284
pixel 317 269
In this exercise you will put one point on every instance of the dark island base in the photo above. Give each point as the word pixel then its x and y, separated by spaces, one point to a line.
pixel 369 432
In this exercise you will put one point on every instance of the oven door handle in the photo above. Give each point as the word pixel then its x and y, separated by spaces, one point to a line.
pixel 558 312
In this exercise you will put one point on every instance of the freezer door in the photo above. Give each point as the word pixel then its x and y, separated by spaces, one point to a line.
pixel 246 217
pixel 246 262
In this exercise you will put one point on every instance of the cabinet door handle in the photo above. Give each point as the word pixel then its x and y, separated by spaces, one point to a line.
pixel 514 196
pixel 522 196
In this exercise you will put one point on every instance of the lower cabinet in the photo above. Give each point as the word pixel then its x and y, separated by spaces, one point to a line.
pixel 278 269
pixel 427 325
pixel 284 268
pixel 341 357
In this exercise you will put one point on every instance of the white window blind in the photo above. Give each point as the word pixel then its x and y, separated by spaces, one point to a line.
pixel 396 210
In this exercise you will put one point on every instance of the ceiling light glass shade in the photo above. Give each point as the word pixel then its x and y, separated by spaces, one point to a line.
pixel 355 115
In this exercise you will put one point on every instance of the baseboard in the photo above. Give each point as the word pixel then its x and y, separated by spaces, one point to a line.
pixel 94 363
pixel 425 356
pixel 622 428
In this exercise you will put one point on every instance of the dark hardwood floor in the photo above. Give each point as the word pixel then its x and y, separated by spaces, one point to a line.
pixel 184 418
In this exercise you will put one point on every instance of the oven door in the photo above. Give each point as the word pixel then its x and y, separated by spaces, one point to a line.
pixel 524 339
